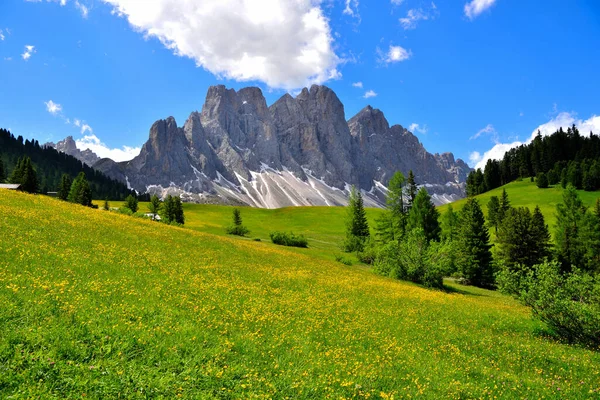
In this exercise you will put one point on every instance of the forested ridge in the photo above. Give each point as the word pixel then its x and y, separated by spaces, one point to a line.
pixel 563 157
pixel 50 165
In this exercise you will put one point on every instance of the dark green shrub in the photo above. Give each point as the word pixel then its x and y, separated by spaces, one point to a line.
pixel 542 181
pixel 288 239
pixel 131 203
pixel 341 259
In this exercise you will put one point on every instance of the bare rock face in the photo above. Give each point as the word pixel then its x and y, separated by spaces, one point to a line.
pixel 68 146
pixel 298 151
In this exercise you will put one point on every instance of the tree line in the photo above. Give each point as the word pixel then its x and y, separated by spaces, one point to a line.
pixel 50 165
pixel 563 157
pixel 412 241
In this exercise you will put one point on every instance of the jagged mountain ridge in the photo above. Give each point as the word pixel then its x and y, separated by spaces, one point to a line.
pixel 69 147
pixel 298 151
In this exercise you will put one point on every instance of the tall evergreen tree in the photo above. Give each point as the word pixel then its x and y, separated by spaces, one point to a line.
pixel 474 259
pixel 131 202
pixel 65 187
pixel 541 236
pixel 424 215
pixel 570 216
pixel 154 206
pixel 494 212
pixel 168 210
pixel 178 210
pixel 542 180
pixel 2 172
pixel 80 192
pixel 357 227
pixel 396 206
pixel 412 189
pixel 450 224
pixel 25 175
pixel 504 206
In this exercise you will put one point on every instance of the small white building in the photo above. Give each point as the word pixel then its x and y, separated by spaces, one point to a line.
pixel 10 186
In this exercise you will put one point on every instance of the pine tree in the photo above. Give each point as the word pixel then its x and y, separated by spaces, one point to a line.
pixel 178 210
pixel 154 206
pixel 542 180
pixel 17 173
pixel 131 202
pixel 396 206
pixel 80 192
pixel 425 216
pixel 570 216
pixel 504 206
pixel 168 210
pixel 493 207
pixel 450 221
pixel 237 228
pixel 357 227
pixel 541 237
pixel 65 187
pixel 25 175
pixel 474 259
pixel 411 188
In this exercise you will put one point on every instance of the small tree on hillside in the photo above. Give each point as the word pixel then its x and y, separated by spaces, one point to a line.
pixel 237 228
pixel 541 237
pixel 474 259
pixel 80 192
pixel 106 206
pixel 391 225
pixel 178 210
pixel 450 224
pixel 542 180
pixel 570 216
pixel 357 227
pixel 154 206
pixel 64 187
pixel 168 210
pixel 504 206
pixel 424 215
pixel 131 203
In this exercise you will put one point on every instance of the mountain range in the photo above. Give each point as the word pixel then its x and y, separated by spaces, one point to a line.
pixel 300 151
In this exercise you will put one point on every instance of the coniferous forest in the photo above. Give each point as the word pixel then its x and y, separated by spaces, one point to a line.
pixel 50 165
pixel 563 157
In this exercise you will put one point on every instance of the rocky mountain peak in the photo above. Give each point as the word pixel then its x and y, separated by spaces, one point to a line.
pixel 368 121
pixel 69 146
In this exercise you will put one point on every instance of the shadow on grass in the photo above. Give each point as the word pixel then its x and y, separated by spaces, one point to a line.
pixel 453 289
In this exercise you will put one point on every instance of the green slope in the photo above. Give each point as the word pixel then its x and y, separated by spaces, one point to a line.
pixel 102 305
pixel 526 194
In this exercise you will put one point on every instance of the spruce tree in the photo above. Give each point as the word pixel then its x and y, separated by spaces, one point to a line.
pixel 542 180
pixel 425 216
pixel 80 192
pixel 154 206
pixel 178 210
pixel 64 187
pixel 570 216
pixel 29 181
pixel 237 228
pixel 357 227
pixel 411 188
pixel 541 237
pixel 450 224
pixel 17 174
pixel 396 206
pixel 131 202
pixel 2 173
pixel 504 206
pixel 494 212
pixel 168 210
pixel 474 259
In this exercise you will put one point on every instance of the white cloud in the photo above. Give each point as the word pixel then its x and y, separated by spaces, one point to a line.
pixel 86 128
pixel 395 54
pixel 474 157
pixel 416 128
pixel 93 143
pixel 563 119
pixel 77 122
pixel 476 7
pixel 29 50
pixel 369 94
pixel 413 16
pixel 351 9
pixel 358 85
pixel 81 7
pixel 283 43
pixel 52 107
pixel 1 35
pixel 488 130
pixel 397 2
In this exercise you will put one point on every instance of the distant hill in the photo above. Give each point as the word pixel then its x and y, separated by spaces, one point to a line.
pixel 51 164
pixel 526 194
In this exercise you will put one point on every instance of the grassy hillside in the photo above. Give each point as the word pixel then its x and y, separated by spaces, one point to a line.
pixel 323 226
pixel 102 305
pixel 526 194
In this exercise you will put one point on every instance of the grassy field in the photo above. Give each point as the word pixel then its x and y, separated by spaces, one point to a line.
pixel 526 194
pixel 99 305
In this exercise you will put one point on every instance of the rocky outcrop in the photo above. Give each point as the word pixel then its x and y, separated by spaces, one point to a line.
pixel 298 151
pixel 68 146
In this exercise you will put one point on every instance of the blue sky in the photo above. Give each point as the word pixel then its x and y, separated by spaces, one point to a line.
pixel 471 77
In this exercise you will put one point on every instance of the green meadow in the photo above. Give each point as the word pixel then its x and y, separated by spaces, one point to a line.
pixel 94 304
